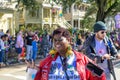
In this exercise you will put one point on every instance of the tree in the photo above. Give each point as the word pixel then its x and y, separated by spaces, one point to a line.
pixel 31 5
pixel 28 3
pixel 68 3
pixel 103 8
pixel 87 23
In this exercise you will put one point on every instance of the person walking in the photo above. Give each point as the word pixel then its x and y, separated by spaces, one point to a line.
pixel 64 63
pixel 100 48
pixel 19 45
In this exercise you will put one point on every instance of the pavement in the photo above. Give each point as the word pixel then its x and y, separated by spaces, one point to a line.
pixel 18 71
pixel 14 71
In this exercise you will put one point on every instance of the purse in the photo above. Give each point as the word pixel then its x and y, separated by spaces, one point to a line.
pixel 94 69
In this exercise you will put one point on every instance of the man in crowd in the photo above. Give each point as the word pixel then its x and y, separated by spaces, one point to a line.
pixel 100 48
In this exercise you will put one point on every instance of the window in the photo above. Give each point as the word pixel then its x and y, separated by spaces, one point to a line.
pixel 34 13
pixel 46 13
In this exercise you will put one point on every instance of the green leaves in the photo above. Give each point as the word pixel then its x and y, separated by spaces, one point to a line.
pixel 28 3
pixel 103 8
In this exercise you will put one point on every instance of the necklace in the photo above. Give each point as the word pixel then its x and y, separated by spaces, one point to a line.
pixel 64 64
pixel 53 52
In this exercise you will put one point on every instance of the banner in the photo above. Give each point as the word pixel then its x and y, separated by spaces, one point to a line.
pixel 117 21
pixel 60 12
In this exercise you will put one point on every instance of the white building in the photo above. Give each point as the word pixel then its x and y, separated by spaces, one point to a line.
pixel 7 19
pixel 76 14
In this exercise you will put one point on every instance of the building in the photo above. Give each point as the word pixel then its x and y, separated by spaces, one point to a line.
pixel 75 14
pixel 7 16
pixel 47 16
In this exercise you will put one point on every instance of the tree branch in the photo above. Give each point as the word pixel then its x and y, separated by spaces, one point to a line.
pixel 111 7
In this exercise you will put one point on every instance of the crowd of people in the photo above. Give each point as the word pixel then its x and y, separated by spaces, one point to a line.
pixel 23 47
pixel 65 55
pixel 4 47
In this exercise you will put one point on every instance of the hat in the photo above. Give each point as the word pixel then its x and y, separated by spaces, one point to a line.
pixel 99 26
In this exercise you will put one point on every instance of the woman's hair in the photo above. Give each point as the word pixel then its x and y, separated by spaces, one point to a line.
pixel 61 31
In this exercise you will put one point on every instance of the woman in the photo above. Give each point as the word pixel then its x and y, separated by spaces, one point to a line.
pixel 34 45
pixel 63 63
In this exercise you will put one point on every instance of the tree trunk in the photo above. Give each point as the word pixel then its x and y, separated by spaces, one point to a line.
pixel 101 10
pixel 100 16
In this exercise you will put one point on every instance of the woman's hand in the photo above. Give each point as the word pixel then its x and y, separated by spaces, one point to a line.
pixel 31 65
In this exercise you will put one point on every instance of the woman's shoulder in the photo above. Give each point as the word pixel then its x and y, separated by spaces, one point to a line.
pixel 46 60
pixel 79 53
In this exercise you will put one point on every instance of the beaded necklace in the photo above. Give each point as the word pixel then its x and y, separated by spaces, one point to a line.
pixel 68 53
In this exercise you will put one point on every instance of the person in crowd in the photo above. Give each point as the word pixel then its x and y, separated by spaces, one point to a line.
pixel 9 35
pixel 13 42
pixel 64 63
pixel 82 38
pixel 74 41
pixel 19 44
pixel 29 47
pixel 35 45
pixel 100 48
pixel 7 46
pixel 8 32
pixel 2 52
pixel 119 41
pixel 78 41
pixel 1 32
pixel 45 45
pixel 116 40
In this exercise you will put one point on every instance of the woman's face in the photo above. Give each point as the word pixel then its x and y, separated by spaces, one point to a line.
pixel 60 43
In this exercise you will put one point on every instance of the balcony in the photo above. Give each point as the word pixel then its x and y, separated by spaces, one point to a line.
pixel 6 4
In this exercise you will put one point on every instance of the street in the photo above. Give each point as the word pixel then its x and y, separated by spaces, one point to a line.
pixel 14 72
pixel 18 72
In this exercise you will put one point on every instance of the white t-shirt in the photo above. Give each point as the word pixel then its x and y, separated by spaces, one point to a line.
pixel 57 72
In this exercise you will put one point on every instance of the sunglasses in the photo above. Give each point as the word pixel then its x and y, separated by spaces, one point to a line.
pixel 103 32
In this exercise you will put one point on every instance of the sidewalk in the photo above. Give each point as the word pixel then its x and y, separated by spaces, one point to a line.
pixel 15 64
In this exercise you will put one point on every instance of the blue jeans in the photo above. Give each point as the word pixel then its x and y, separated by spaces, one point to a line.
pixel 34 55
pixel 2 52
pixel 29 52
pixel 35 48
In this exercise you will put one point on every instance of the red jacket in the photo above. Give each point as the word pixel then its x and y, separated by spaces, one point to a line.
pixel 82 60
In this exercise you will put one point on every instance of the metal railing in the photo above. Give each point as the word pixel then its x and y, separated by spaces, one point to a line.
pixel 62 22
